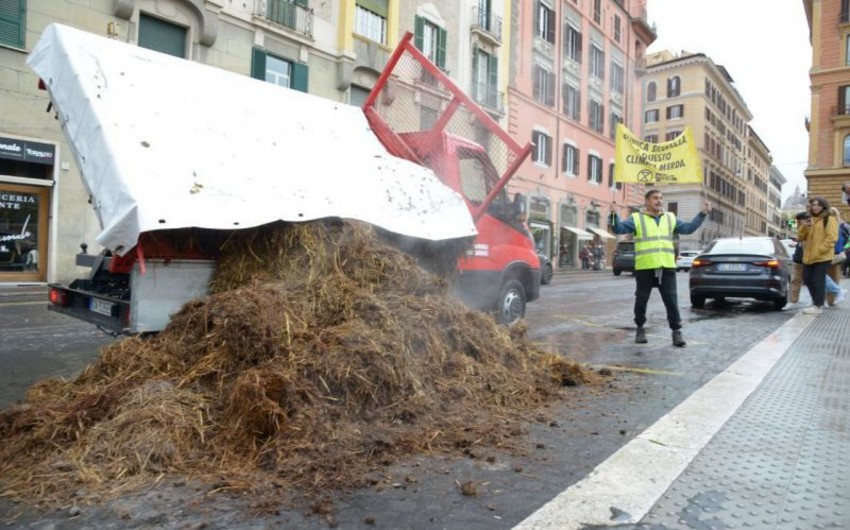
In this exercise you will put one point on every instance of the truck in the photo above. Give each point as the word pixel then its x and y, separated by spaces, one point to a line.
pixel 168 147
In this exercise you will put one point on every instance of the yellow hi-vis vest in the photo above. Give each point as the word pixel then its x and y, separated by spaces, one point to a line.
pixel 654 241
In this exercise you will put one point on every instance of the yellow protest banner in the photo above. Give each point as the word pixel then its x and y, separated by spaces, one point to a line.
pixel 673 162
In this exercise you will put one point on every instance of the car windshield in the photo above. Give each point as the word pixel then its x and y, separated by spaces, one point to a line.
pixel 742 246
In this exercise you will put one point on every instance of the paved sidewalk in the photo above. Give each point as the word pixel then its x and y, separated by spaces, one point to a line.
pixel 764 445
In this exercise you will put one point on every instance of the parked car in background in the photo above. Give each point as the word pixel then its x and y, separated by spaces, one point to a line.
pixel 790 246
pixel 546 270
pixel 741 267
pixel 685 258
pixel 623 258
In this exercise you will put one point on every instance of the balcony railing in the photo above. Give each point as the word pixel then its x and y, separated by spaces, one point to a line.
pixel 484 21
pixel 287 13
pixel 488 96
pixel 841 110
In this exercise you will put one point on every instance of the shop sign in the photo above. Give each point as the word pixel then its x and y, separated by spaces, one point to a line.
pixel 27 151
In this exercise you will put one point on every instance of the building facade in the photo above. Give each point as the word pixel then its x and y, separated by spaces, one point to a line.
pixel 690 90
pixel 574 74
pixel 829 129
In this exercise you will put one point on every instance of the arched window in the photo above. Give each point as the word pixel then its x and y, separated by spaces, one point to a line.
pixel 674 86
pixel 650 91
pixel 847 150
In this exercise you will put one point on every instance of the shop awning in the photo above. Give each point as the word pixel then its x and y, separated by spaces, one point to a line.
pixel 601 233
pixel 579 232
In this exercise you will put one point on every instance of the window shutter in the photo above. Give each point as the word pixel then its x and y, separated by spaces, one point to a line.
pixel 576 161
pixel 162 36
pixel 441 47
pixel 299 76
pixel 564 158
pixel 550 29
pixel 494 73
pixel 258 64
pixel 589 167
pixel 418 32
pixel 379 7
pixel 550 89
pixel 548 150
pixel 302 3
pixel 12 22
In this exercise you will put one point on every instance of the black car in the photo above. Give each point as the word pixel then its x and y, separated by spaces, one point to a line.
pixel 546 270
pixel 623 258
pixel 741 267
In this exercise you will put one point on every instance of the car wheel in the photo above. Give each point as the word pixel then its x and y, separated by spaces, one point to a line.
pixel 616 272
pixel 511 304
pixel 779 303
pixel 697 301
pixel 546 274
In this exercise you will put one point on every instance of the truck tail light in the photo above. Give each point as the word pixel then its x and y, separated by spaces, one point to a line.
pixel 58 297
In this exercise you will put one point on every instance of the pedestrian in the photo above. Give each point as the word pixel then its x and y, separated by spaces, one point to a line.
pixel 598 257
pixel 818 234
pixel 835 294
pixel 796 269
pixel 655 258
pixel 584 255
pixel 846 189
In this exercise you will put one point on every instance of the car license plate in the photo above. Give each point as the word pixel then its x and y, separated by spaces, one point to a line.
pixel 732 267
pixel 102 307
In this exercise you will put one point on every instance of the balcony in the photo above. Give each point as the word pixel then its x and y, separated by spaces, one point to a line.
pixel 487 25
pixel 288 14
pixel 489 97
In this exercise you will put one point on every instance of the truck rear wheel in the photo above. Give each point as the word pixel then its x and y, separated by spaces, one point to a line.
pixel 511 304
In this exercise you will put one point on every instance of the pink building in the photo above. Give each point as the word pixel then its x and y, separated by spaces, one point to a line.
pixel 575 73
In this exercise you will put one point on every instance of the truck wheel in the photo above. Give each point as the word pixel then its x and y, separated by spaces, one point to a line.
pixel 546 274
pixel 697 301
pixel 511 304
pixel 616 271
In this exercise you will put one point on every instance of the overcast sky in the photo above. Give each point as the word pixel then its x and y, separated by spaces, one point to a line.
pixel 764 45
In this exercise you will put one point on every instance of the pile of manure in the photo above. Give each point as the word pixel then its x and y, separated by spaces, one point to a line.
pixel 321 354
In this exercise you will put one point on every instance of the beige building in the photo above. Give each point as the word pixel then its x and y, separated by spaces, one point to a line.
pixel 690 90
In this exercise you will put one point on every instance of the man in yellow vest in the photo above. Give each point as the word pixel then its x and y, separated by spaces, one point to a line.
pixel 655 258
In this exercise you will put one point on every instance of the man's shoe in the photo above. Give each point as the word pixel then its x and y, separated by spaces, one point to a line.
pixel 640 335
pixel 812 310
pixel 677 338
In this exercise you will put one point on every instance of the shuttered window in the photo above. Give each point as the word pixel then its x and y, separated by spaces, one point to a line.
pixel 430 40
pixel 162 36
pixel 278 70
pixel 13 22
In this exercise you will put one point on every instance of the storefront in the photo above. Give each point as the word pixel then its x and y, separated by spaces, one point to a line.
pixel 26 180
pixel 571 237
pixel 540 225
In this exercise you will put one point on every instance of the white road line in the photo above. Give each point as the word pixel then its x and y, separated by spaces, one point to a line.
pixel 633 479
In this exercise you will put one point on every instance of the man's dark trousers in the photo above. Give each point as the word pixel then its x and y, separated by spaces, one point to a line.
pixel 646 280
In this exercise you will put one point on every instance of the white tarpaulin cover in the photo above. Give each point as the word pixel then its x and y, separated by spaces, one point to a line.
pixel 167 143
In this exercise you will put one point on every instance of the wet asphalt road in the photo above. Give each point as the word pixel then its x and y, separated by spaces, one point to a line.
pixel 584 316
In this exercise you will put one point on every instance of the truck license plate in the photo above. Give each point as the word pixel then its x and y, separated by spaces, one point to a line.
pixel 102 307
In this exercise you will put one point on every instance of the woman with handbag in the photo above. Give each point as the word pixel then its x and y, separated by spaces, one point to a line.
pixel 819 234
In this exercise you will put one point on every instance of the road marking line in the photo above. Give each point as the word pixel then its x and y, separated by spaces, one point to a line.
pixel 3 304
pixel 632 480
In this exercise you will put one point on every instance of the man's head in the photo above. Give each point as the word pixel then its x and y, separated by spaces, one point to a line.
pixel 846 188
pixel 654 201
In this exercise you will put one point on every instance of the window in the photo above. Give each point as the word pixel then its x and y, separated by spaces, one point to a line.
pixel 597 62
pixel 542 151
pixel 13 22
pixel 617 78
pixel 544 86
pixel 651 90
pixel 594 169
pixel 286 12
pixel 427 118
pixel 615 119
pixel 357 95
pixel 545 22
pixel 674 86
pixel 844 99
pixel 159 35
pixel 572 102
pixel 597 11
pixel 650 116
pixel 617 32
pixel 370 19
pixel 845 11
pixel 486 78
pixel 278 71
pixel 847 50
pixel 572 42
pixel 651 138
pixel 847 150
pixel 569 161
pixel 675 111
pixel 672 135
pixel 596 115
pixel 611 175
pixel 430 40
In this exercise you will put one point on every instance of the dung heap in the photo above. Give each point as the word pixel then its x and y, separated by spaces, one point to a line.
pixel 322 353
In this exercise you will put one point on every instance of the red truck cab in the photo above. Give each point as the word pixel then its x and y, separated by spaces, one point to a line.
pixel 419 114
